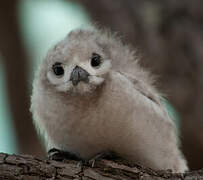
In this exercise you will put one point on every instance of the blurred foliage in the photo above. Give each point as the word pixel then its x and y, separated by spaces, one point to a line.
pixel 7 131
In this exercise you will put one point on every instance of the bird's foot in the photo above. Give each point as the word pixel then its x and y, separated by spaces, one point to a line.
pixel 104 155
pixel 82 163
pixel 59 155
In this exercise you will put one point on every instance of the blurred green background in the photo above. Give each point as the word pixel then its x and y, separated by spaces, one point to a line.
pixel 7 131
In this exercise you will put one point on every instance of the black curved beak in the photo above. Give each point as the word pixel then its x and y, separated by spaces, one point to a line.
pixel 78 74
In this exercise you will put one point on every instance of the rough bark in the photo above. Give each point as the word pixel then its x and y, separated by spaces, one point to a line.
pixel 19 167
pixel 169 35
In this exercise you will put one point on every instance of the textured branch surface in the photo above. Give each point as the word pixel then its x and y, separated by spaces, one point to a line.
pixel 28 167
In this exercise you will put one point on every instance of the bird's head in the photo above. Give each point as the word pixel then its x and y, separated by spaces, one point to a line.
pixel 78 64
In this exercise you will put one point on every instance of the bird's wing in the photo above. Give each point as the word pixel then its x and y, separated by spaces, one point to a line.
pixel 146 90
pixel 150 93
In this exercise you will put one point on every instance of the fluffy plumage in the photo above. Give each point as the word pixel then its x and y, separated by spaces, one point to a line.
pixel 116 108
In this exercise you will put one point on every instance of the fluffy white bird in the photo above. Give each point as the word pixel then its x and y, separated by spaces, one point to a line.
pixel 90 96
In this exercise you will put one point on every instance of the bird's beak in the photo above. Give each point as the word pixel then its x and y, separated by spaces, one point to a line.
pixel 78 74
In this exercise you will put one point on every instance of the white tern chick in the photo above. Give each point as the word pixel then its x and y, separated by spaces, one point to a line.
pixel 90 96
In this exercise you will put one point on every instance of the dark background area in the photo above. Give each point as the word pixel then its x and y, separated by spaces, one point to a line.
pixel 169 36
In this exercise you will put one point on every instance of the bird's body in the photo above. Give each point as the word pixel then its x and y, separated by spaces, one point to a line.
pixel 112 107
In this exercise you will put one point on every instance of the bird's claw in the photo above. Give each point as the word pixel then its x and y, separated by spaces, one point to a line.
pixel 104 155
pixel 59 155
pixel 55 154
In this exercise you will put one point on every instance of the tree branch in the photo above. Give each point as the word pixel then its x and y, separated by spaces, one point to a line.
pixel 18 167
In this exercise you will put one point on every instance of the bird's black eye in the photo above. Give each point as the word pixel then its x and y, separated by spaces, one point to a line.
pixel 95 60
pixel 58 69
